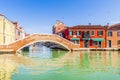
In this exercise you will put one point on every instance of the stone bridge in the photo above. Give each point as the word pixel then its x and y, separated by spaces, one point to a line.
pixel 16 46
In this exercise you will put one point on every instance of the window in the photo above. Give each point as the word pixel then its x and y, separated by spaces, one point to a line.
pixel 70 33
pixel 18 33
pixel 118 33
pixel 92 32
pixel 118 42
pixel 61 34
pixel 75 41
pixel 86 34
pixel 100 33
pixel 95 43
pixel 109 33
pixel 78 33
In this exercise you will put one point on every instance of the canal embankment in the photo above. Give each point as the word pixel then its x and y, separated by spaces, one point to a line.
pixel 95 49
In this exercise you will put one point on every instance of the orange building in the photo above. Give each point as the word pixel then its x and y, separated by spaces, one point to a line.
pixel 113 36
pixel 87 36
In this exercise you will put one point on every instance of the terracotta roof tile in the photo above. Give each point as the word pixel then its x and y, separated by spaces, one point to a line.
pixel 88 26
pixel 114 27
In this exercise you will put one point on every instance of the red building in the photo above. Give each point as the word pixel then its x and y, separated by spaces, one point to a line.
pixel 88 36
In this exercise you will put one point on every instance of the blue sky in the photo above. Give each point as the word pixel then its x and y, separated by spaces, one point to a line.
pixel 38 16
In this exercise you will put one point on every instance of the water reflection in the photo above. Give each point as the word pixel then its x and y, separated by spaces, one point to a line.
pixel 6 67
pixel 75 64
pixel 40 52
pixel 9 64
pixel 46 64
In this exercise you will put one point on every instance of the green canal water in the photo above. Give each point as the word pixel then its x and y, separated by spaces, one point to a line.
pixel 46 64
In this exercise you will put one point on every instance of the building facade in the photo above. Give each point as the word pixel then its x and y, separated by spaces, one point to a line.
pixel 19 31
pixel 7 31
pixel 59 26
pixel 87 36
pixel 113 36
pixel 10 31
pixel 92 36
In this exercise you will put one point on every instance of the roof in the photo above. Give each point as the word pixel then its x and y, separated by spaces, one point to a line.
pixel 1 15
pixel 114 27
pixel 88 27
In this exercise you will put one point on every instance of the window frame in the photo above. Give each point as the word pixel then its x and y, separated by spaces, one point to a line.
pixel 110 34
pixel 93 32
pixel 118 33
pixel 118 42
pixel 71 32
pixel 78 33
pixel 100 34
pixel 75 41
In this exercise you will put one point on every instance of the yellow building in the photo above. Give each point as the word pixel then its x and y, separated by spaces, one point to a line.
pixel 7 31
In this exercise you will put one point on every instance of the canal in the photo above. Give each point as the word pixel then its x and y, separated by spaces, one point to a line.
pixel 46 64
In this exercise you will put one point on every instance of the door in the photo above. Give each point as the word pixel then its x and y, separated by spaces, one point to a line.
pixel 100 45
pixel 86 43
pixel 109 43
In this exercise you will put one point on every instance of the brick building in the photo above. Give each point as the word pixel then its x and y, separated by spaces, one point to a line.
pixel 87 36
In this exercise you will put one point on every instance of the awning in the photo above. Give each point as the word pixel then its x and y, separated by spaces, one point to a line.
pixel 86 38
pixel 75 39
pixel 98 39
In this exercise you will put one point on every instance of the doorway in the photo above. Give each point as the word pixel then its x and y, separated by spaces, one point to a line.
pixel 86 43
pixel 109 43
pixel 100 45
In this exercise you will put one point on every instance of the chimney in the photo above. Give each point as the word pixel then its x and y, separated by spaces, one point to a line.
pixel 107 24
pixel 89 24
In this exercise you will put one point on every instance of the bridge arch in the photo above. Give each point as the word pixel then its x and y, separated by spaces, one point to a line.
pixel 39 38
pixel 44 41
